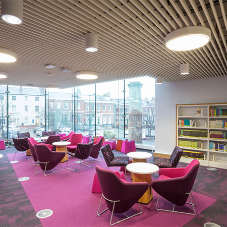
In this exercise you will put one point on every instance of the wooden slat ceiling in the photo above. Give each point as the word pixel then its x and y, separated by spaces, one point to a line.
pixel 131 40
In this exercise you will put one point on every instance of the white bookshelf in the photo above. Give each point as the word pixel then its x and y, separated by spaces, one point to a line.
pixel 194 120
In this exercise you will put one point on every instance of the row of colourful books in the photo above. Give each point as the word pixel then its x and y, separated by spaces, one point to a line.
pixel 218 135
pixel 193 154
pixel 217 112
pixel 218 124
pixel 187 123
pixel 191 144
pixel 192 133
pixel 217 146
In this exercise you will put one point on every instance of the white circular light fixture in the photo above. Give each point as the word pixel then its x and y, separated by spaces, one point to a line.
pixel 184 69
pixel 91 42
pixel 3 75
pixel 12 11
pixel 188 38
pixel 7 56
pixel 86 75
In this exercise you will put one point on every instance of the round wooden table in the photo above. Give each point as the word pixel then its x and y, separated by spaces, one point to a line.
pixel 62 146
pixel 142 173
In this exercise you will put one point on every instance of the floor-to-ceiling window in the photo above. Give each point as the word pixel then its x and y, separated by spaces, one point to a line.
pixel 3 112
pixel 59 107
pixel 26 109
pixel 140 110
pixel 109 109
pixel 85 110
pixel 116 109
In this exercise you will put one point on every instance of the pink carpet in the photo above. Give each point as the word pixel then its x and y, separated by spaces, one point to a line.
pixel 69 195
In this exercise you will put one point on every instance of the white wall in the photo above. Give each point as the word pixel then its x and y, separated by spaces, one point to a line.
pixel 167 95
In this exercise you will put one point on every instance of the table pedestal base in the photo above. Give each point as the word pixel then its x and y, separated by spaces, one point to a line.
pixel 63 149
pixel 148 195
pixel 137 160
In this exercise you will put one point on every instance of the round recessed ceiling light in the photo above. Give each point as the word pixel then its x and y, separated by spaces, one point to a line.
pixel 86 75
pixel 7 56
pixel 3 75
pixel 12 11
pixel 188 38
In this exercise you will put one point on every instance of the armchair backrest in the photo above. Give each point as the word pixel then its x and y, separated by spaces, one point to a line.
pixel 83 151
pixel 107 154
pixel 21 144
pixel 175 156
pixel 113 188
pixel 96 148
pixel 53 138
pixel 31 143
pixel 23 134
pixel 75 139
pixel 98 139
pixel 43 152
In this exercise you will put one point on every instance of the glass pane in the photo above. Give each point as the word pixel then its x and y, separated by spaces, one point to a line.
pixel 59 110
pixel 26 112
pixel 85 110
pixel 140 110
pixel 3 113
pixel 110 109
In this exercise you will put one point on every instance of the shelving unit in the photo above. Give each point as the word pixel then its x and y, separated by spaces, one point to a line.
pixel 202 133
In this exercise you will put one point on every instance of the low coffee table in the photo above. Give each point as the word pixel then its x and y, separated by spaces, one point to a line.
pixel 62 146
pixel 142 173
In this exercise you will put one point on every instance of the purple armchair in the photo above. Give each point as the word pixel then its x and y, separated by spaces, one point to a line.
pixel 111 160
pixel 119 195
pixel 47 159
pixel 96 148
pixel 51 139
pixel 172 161
pixel 175 185
pixel 21 145
pixel 82 152
pixel 31 143
pixel 48 133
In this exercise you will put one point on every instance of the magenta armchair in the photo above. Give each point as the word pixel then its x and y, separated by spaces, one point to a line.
pixel 67 137
pixel 128 146
pixel 74 140
pixel 119 195
pixel 175 185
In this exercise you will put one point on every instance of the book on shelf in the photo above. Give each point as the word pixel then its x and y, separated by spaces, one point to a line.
pixel 213 111
pixel 218 124
pixel 186 123
pixel 192 133
pixel 190 144
pixel 216 146
pixel 199 112
pixel 218 135
pixel 193 154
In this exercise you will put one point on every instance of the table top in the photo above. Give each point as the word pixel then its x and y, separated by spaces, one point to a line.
pixel 61 143
pixel 44 137
pixel 142 168
pixel 139 155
